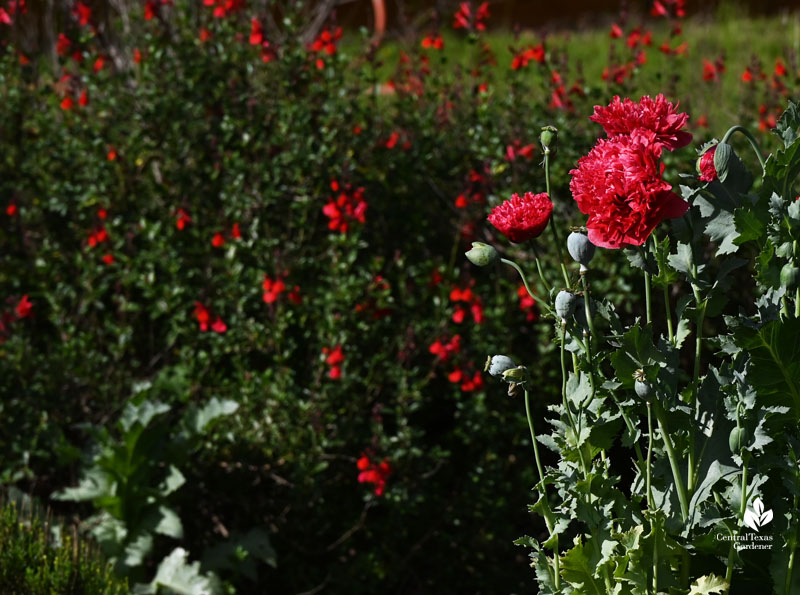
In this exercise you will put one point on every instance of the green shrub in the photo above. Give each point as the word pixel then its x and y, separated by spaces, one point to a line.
pixel 33 561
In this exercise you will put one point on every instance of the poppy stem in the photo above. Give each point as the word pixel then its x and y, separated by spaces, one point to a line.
pixel 667 303
pixel 553 227
pixel 742 508
pixel 751 138
pixel 673 463
pixel 517 268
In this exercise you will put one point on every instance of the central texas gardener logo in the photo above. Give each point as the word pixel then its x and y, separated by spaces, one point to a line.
pixel 756 517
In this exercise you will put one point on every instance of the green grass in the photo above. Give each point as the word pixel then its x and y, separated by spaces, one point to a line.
pixel 585 53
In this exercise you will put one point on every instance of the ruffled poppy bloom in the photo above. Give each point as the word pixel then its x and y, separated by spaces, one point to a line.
pixel 708 173
pixel 619 185
pixel 24 307
pixel 522 218
pixel 656 117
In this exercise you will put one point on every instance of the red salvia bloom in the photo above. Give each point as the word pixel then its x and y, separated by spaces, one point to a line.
pixel 374 474
pixel 272 289
pixel 137 55
pixel 295 296
pixel 522 218
pixel 218 241
pixel 202 316
pixel 67 103
pixel 747 76
pixel 616 31
pixel 183 219
pixel 236 233
pixel 219 326
pixel 24 307
pixel 108 258
pixel 11 209
pixel 526 303
pixel 98 64
pixel 256 32
pixel 433 41
pixel 83 13
pixel 62 45
pixel 780 68
pixel 83 99
pixel 150 9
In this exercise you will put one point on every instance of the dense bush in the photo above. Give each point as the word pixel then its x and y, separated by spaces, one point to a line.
pixel 32 562
pixel 202 217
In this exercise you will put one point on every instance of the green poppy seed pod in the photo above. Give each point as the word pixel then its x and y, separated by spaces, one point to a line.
pixel 549 139
pixel 643 389
pixel 790 276
pixel 738 439
pixel 518 375
pixel 482 254
pixel 497 364
pixel 565 304
pixel 580 248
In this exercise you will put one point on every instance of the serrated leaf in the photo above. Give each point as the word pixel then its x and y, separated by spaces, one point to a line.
pixel 749 225
pixel 142 414
pixel 666 274
pixel 578 570
pixel 708 585
pixel 641 259
pixel 787 125
pixel 182 578
pixel 774 353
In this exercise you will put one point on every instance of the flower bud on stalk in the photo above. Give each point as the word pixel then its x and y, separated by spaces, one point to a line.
pixel 482 254
pixel 549 139
pixel 580 249
pixel 565 304
pixel 738 439
pixel 496 365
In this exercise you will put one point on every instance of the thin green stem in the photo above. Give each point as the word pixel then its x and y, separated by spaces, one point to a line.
pixel 742 508
pixel 667 302
pixel 751 138
pixel 647 297
pixel 564 395
pixel 649 454
pixel 792 551
pixel 673 463
pixel 698 350
pixel 548 516
pixel 542 278
pixel 544 303
pixel 797 303
pixel 553 228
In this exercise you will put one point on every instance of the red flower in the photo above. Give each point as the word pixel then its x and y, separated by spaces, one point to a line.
pixel 256 32
pixel 83 13
pixel 374 474
pixel 433 42
pixel 83 100
pixel 708 173
pixel 99 63
pixel 150 9
pixel 616 31
pixel 205 35
pixel 272 289
pixel 219 326
pixel 294 295
pixel 709 72
pixel 236 232
pixel 444 351
pixel 747 76
pixel 108 258
pixel 526 303
pixel 619 185
pixel 334 358
pixel 11 209
pixel 202 315
pixel 349 206
pixel 218 241
pixel 112 154
pixel 183 219
pixel 702 121
pixel 24 307
pixel 62 45
pixel 137 56
pixel 522 218
pixel 67 103
pixel 780 68
pixel 656 118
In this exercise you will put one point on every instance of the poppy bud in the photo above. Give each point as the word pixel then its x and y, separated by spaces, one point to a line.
pixel 549 138
pixel 482 254
pixel 565 304
pixel 738 439
pixel 790 276
pixel 497 364
pixel 580 249
pixel 518 375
